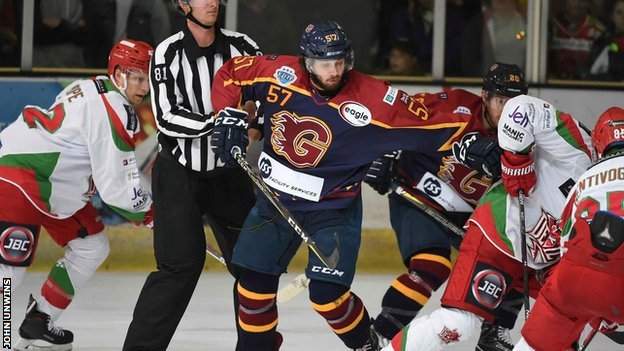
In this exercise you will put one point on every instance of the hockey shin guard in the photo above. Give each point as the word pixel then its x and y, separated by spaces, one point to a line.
pixel 82 258
pixel 257 312
pixel 409 292
pixel 343 310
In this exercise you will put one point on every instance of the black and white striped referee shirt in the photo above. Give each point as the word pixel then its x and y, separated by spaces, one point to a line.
pixel 181 76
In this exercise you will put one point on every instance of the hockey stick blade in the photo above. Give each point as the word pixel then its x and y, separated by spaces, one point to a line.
pixel 285 294
pixel 294 288
pixel 330 261
pixel 427 209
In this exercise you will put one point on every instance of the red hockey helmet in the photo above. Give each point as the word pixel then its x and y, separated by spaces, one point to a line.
pixel 130 54
pixel 609 130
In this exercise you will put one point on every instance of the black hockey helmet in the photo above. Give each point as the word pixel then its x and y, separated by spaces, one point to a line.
pixel 505 79
pixel 326 40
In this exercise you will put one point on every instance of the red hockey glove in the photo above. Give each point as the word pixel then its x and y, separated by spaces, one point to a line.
pixel 148 220
pixel 518 173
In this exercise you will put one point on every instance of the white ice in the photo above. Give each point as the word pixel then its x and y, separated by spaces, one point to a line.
pixel 101 312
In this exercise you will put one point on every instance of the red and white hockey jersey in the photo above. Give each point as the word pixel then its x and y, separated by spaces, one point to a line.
pixel 58 157
pixel 562 151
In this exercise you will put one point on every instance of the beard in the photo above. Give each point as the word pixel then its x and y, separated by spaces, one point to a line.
pixel 326 89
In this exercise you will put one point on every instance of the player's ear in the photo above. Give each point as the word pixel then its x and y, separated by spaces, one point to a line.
pixel 484 95
pixel 117 75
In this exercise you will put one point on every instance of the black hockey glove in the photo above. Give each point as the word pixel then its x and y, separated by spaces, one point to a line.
pixel 479 153
pixel 229 135
pixel 379 173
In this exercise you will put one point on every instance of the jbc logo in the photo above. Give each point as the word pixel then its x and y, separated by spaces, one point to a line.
pixel 490 289
pixel 17 244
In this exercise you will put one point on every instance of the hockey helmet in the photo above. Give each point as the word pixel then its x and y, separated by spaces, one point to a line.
pixel 326 41
pixel 609 130
pixel 505 79
pixel 130 55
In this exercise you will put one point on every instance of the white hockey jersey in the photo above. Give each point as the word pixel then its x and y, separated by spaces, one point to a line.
pixel 562 151
pixel 83 142
pixel 600 188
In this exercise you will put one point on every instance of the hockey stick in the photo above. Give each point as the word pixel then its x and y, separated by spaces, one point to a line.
pixel 330 261
pixel 211 251
pixel 294 288
pixel 525 263
pixel 427 209
pixel 285 294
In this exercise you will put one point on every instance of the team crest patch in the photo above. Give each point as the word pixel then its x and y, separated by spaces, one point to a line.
pixel 355 113
pixel 449 336
pixel 285 75
pixel 544 247
pixel 463 110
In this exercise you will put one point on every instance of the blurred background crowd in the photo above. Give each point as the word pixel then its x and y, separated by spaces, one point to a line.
pixel 585 39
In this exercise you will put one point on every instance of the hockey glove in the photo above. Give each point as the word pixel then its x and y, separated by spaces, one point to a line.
pixel 518 173
pixel 481 154
pixel 148 220
pixel 229 135
pixel 379 173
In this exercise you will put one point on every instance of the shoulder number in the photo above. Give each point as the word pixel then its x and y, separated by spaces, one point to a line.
pixel 50 120
pixel 241 62
pixel 159 73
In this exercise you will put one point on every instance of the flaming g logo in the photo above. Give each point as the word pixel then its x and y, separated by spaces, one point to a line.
pixel 302 140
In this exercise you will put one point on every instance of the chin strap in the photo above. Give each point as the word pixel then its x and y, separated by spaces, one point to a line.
pixel 122 88
pixel 196 21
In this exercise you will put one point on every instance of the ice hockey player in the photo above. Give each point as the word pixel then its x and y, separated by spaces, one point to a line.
pixel 51 162
pixel 593 251
pixel 544 153
pixel 444 182
pixel 324 122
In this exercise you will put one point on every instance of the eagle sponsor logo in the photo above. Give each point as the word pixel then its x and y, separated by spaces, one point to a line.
pixel 355 113
pixel 285 75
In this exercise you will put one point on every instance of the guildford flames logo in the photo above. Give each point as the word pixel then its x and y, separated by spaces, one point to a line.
pixel 302 140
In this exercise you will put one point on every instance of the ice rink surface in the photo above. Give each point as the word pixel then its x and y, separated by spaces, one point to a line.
pixel 101 312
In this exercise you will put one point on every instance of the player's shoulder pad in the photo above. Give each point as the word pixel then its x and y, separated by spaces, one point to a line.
pixel 372 90
pixel 117 106
pixel 520 111
pixel 619 159
pixel 284 69
pixel 461 95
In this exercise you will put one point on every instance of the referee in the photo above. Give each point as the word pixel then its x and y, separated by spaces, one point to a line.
pixel 188 182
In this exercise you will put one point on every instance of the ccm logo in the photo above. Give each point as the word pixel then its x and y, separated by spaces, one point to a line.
pixel 328 271
pixel 355 113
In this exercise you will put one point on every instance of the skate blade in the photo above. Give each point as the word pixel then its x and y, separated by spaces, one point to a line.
pixel 40 345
